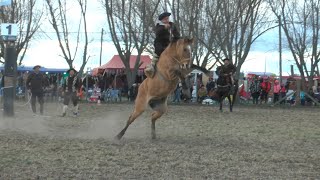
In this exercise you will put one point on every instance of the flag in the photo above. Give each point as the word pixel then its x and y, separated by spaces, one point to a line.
pixel 5 2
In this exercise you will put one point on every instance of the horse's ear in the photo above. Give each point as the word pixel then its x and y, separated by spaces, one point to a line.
pixel 189 40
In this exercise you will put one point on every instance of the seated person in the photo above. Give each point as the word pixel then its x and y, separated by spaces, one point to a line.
pixel 202 93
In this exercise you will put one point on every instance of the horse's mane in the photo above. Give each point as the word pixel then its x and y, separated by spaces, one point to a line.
pixel 175 41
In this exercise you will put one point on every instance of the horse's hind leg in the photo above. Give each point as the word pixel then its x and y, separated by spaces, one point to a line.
pixel 221 102
pixel 159 109
pixel 140 106
pixel 155 115
pixel 136 113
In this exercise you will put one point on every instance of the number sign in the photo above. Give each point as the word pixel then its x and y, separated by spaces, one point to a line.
pixel 9 31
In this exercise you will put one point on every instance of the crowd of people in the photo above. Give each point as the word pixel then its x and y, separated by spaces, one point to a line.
pixel 265 89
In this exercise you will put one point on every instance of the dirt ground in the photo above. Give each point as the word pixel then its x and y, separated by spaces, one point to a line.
pixel 194 142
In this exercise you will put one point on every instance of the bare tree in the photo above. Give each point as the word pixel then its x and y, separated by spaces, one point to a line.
pixel 130 25
pixel 58 13
pixel 191 18
pixel 222 28
pixel 233 27
pixel 301 25
pixel 25 14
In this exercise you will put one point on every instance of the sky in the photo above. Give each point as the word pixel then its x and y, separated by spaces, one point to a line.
pixel 263 57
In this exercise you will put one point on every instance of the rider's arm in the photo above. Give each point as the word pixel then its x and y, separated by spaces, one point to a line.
pixel 175 32
pixel 160 30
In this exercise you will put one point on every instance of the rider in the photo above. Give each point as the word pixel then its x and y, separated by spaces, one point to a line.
pixel 166 32
pixel 226 70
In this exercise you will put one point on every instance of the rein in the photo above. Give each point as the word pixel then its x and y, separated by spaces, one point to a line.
pixel 223 86
pixel 162 77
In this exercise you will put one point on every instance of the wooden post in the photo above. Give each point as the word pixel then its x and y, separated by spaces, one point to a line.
pixel 298 87
pixel 278 102
pixel 10 67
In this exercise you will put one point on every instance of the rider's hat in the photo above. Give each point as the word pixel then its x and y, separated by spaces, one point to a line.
pixel 36 66
pixel 72 69
pixel 163 15
pixel 226 59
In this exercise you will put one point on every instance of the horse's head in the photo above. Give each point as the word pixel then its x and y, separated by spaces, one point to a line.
pixel 183 53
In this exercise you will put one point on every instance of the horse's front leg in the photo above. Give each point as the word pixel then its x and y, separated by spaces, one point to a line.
pixel 220 102
pixel 230 103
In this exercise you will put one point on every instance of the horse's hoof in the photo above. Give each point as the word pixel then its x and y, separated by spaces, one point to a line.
pixel 153 137
pixel 118 137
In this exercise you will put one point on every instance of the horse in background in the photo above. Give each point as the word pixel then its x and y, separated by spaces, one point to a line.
pixel 174 63
pixel 224 90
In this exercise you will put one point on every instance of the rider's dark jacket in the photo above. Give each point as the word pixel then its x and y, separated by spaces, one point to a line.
pixel 226 69
pixel 35 82
pixel 164 36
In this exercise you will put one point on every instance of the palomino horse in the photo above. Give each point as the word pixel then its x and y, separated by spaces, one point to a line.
pixel 175 63
pixel 224 91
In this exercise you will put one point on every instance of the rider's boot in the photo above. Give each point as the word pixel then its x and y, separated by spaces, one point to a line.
pixel 232 88
pixel 150 69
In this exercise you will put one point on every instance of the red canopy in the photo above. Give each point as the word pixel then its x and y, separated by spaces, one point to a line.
pixel 116 64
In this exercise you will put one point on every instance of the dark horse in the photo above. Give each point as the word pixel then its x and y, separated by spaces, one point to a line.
pixel 225 90
pixel 175 63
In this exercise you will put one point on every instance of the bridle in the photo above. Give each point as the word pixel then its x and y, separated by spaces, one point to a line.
pixel 183 63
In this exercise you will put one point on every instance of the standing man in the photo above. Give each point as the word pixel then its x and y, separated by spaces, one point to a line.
pixel 166 32
pixel 35 85
pixel 255 89
pixel 70 89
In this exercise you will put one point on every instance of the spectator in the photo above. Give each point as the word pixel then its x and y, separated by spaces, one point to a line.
pixel 265 88
pixel 35 85
pixel 177 93
pixel 276 91
pixel 283 92
pixel 210 84
pixel 202 93
pixel 302 98
pixel 255 90
pixel 133 91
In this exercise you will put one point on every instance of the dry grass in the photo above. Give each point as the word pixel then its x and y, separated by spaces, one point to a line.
pixel 193 143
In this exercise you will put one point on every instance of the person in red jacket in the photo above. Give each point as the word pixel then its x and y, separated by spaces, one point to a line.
pixel 283 92
pixel 276 91
pixel 265 89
